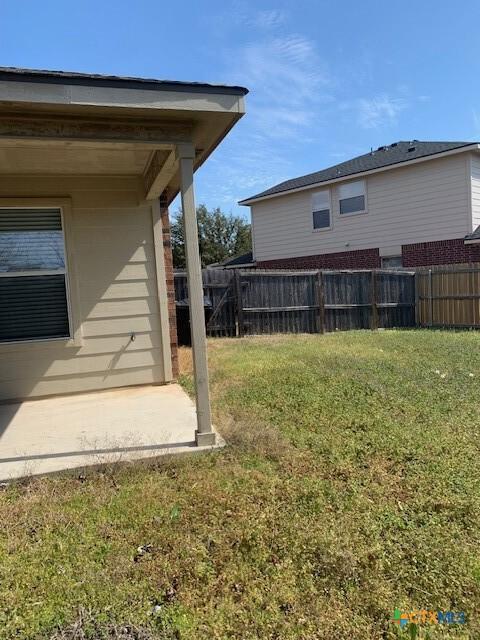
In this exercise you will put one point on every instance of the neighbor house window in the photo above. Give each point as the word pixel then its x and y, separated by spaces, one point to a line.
pixel 33 288
pixel 392 262
pixel 321 209
pixel 352 197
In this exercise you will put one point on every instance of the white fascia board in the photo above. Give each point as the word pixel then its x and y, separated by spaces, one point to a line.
pixel 97 96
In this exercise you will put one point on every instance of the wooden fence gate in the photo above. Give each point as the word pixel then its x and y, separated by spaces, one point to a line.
pixel 220 304
pixel 241 303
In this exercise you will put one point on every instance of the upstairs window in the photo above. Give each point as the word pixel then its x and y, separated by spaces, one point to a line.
pixel 33 287
pixel 352 197
pixel 321 209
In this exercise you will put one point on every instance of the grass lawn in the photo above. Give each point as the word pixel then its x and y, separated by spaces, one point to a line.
pixel 351 487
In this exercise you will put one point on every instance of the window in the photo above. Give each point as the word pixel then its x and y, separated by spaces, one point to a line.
pixel 352 197
pixel 321 209
pixel 33 288
pixel 392 262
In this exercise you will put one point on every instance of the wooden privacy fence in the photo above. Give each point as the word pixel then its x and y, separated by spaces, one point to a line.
pixel 220 303
pixel 448 296
pixel 241 303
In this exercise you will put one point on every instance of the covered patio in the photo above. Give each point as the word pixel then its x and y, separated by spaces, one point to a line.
pixel 88 167
pixel 104 427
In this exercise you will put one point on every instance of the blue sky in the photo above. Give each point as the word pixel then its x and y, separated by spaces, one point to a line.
pixel 327 80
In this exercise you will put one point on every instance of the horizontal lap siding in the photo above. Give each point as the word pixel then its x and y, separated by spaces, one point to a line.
pixel 115 260
pixel 423 202
pixel 475 173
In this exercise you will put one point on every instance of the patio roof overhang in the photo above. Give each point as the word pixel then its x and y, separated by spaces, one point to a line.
pixel 83 121
pixel 160 132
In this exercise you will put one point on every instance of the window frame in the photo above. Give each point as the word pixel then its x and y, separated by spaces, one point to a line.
pixel 392 257
pixel 365 199
pixel 312 210
pixel 75 338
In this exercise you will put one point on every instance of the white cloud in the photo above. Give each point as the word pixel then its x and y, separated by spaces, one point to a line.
pixel 289 86
pixel 239 13
pixel 379 111
pixel 476 120
pixel 268 19
pixel 287 80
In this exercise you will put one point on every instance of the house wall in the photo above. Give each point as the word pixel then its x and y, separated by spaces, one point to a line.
pixel 475 177
pixel 419 203
pixel 111 236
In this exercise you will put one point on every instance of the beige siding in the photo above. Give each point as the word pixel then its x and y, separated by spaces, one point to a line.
pixel 422 202
pixel 475 173
pixel 112 242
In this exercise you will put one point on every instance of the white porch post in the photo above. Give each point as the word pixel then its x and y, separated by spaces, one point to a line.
pixel 204 434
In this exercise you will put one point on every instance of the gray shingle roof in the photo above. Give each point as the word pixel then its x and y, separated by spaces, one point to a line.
pixel 473 236
pixel 392 154
pixel 245 258
pixel 94 79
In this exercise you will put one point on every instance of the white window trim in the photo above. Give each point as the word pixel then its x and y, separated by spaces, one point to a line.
pixel 75 339
pixel 321 229
pixel 354 213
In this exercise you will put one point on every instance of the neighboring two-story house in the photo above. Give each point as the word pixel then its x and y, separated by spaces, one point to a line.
pixel 406 204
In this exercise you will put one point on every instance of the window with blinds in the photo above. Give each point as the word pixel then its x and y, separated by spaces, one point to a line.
pixel 321 210
pixel 352 197
pixel 33 288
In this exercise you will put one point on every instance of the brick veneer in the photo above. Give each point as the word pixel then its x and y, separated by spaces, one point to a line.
pixel 421 254
pixel 167 252
pixel 439 252
pixel 362 259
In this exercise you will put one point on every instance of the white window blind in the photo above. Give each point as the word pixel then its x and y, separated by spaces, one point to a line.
pixel 321 209
pixel 352 197
pixel 33 291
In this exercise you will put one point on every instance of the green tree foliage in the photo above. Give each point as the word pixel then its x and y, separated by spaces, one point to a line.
pixel 220 236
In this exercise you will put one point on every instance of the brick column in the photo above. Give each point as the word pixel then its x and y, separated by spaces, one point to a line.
pixel 167 252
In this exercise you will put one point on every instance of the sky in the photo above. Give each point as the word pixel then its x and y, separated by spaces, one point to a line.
pixel 327 80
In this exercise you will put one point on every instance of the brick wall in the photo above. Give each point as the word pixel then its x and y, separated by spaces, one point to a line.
pixel 363 259
pixel 421 254
pixel 439 252
pixel 167 252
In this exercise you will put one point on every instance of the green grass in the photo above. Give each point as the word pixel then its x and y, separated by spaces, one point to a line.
pixel 351 487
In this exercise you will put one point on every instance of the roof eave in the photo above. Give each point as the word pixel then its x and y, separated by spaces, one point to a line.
pixel 13 74
pixel 468 148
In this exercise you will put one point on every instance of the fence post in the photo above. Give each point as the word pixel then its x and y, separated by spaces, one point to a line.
pixel 320 299
pixel 430 297
pixel 417 298
pixel 239 303
pixel 374 300
pixel 472 293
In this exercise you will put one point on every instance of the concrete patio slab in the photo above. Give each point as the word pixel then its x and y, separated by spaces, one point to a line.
pixel 68 432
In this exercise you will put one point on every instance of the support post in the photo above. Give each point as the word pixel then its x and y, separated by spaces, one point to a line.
pixel 204 434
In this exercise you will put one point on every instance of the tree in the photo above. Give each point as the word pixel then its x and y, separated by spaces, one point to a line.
pixel 220 236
